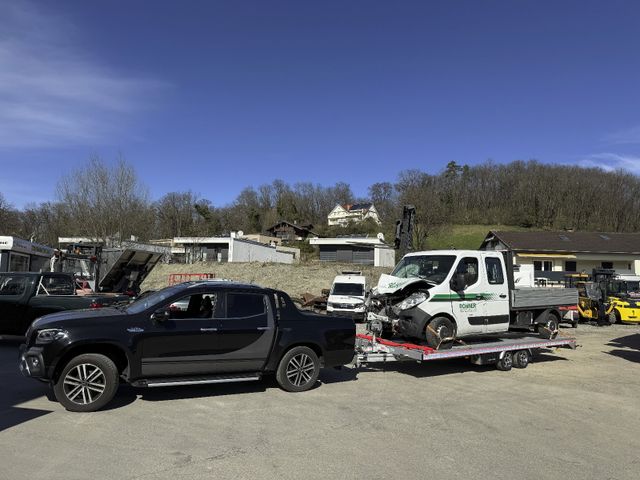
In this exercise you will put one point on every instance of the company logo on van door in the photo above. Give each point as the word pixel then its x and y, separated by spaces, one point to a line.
pixel 454 297
pixel 467 307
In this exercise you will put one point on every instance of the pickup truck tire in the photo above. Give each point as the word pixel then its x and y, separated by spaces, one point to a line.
pixel 298 369
pixel 87 383
pixel 549 329
pixel 440 333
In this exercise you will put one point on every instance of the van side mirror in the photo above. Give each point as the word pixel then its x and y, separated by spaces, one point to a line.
pixel 457 282
pixel 160 315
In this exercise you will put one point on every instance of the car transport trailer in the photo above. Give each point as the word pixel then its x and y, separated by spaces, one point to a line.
pixel 507 351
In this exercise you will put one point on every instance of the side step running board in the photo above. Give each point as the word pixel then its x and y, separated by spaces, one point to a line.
pixel 176 381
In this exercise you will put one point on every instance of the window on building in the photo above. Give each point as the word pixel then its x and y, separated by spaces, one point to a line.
pixel 608 265
pixel 542 265
pixel 18 262
pixel 570 266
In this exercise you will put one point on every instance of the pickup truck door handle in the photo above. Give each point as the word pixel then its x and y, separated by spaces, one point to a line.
pixel 208 329
pixel 503 295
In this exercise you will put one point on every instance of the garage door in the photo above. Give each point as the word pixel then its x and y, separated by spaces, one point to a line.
pixel 327 253
pixel 363 256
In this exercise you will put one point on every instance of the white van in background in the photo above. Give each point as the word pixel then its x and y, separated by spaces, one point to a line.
pixel 346 298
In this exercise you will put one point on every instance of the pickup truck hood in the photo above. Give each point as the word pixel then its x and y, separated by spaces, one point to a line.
pixel 86 315
pixel 390 284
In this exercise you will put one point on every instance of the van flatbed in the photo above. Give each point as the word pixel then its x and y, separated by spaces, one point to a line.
pixel 505 351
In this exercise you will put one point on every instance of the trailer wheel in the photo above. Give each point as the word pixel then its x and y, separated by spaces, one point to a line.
pixel 521 358
pixel 506 362
pixel 440 333
pixel 549 329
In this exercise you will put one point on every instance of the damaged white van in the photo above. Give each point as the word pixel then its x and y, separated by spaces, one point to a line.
pixel 439 296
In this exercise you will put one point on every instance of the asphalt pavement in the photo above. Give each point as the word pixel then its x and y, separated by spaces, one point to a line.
pixel 569 415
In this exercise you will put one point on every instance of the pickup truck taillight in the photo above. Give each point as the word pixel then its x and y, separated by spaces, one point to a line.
pixel 95 304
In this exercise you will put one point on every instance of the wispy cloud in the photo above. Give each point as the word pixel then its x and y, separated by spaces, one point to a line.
pixel 53 93
pixel 613 161
pixel 627 136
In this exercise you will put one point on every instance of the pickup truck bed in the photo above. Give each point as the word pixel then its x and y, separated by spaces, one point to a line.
pixel 538 297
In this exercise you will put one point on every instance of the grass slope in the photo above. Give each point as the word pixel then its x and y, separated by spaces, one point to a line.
pixel 463 237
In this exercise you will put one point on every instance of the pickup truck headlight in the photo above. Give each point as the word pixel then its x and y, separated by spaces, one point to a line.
pixel 50 335
pixel 411 301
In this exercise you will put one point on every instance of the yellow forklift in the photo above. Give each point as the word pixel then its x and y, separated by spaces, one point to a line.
pixel 605 299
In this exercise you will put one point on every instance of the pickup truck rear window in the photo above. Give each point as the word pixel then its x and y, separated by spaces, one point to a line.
pixel 12 285
pixel 56 286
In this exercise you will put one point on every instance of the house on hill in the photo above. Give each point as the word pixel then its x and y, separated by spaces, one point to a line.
pixel 553 254
pixel 291 232
pixel 357 212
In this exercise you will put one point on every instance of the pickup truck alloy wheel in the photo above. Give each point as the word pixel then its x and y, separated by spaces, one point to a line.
pixel 87 383
pixel 298 369
pixel 84 384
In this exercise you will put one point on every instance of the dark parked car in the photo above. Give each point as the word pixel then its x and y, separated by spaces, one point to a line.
pixel 229 332
pixel 25 296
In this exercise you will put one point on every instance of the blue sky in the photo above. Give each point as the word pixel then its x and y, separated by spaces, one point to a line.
pixel 213 96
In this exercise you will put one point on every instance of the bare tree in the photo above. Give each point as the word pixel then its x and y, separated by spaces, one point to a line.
pixel 105 203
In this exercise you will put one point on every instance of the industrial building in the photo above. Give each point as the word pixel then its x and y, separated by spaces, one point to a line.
pixel 358 250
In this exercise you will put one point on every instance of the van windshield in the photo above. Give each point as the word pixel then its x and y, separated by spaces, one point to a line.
pixel 433 268
pixel 355 289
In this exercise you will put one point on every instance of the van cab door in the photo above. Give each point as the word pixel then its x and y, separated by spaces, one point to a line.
pixel 497 299
pixel 469 303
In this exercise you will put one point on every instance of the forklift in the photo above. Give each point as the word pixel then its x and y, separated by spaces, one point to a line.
pixel 603 298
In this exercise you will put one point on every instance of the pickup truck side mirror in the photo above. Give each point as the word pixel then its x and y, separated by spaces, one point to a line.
pixel 160 315
pixel 457 282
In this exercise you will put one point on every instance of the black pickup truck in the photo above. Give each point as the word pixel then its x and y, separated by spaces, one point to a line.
pixel 187 334
pixel 25 296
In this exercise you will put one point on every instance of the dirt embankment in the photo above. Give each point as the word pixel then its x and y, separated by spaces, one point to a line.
pixel 293 279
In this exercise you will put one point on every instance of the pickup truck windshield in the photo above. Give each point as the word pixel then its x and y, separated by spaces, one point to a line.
pixel 355 289
pixel 433 268
pixel 152 299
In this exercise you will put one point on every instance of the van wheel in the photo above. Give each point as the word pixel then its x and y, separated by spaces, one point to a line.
pixel 506 362
pixel 521 358
pixel 549 329
pixel 298 370
pixel 440 333
pixel 87 383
